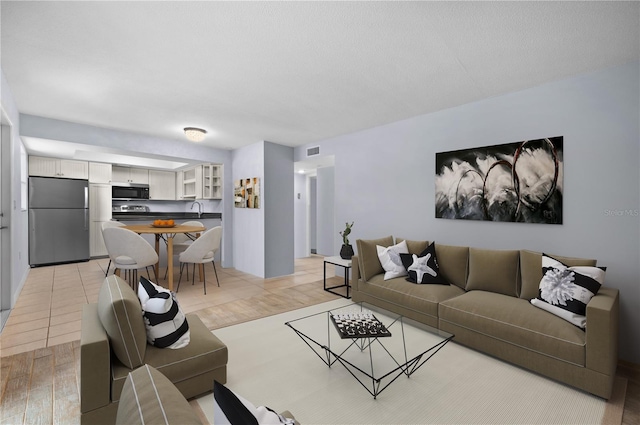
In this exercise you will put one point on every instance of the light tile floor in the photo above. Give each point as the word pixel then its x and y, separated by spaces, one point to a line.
pixel 49 308
pixel 40 347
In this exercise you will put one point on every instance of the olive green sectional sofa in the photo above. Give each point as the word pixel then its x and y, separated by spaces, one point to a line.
pixel 486 305
pixel 113 343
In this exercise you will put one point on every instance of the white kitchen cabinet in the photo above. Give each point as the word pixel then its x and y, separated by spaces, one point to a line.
pixel 179 186
pixel 99 172
pixel 129 175
pixel 99 212
pixel 162 185
pixel 192 183
pixel 55 167
pixel 202 182
pixel 212 181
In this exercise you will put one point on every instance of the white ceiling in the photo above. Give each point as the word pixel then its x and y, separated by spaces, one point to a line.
pixel 293 72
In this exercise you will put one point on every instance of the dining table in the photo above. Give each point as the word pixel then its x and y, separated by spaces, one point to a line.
pixel 166 232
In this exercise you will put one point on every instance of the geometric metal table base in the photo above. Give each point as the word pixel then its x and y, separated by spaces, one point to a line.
pixel 374 385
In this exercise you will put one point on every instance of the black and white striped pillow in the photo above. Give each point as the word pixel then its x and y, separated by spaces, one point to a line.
pixel 165 322
pixel 565 291
pixel 230 408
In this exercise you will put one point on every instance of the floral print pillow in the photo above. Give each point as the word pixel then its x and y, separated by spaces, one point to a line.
pixel 565 291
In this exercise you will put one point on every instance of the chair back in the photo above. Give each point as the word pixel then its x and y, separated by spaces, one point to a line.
pixel 123 242
pixel 181 238
pixel 204 248
pixel 107 224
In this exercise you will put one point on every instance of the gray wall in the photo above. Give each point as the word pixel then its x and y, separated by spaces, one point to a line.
pixel 326 235
pixel 279 210
pixel 386 176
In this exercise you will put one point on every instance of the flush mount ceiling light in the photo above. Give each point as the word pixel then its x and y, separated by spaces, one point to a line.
pixel 195 134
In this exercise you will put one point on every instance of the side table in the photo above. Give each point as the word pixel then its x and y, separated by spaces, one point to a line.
pixel 337 261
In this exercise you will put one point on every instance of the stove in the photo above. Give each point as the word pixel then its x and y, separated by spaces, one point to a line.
pixel 133 209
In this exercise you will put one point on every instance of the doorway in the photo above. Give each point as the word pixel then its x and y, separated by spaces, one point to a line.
pixel 314 211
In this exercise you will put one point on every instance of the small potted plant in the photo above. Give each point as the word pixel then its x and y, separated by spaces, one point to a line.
pixel 346 252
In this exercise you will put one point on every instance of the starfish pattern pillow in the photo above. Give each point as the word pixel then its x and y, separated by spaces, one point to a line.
pixel 565 291
pixel 423 268
pixel 390 259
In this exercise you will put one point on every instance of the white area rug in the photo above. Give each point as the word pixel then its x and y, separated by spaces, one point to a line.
pixel 270 365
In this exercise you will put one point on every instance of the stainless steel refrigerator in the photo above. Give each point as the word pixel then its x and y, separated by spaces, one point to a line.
pixel 58 220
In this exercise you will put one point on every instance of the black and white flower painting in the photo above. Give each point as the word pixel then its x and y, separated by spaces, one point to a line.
pixel 516 182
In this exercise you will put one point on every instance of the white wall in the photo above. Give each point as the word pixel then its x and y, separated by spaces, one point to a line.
pixel 18 221
pixel 301 207
pixel 386 176
pixel 248 224
pixel 313 214
pixel 327 235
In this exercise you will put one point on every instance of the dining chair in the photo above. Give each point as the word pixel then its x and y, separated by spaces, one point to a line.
pixel 129 252
pixel 106 225
pixel 203 250
pixel 181 242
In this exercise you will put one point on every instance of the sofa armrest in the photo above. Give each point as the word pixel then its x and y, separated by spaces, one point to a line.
pixel 355 272
pixel 95 362
pixel 602 331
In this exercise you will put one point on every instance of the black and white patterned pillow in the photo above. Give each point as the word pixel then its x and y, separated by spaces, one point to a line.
pixel 390 259
pixel 231 409
pixel 423 268
pixel 565 291
pixel 165 322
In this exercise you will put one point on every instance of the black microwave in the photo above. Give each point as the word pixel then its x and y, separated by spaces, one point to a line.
pixel 129 191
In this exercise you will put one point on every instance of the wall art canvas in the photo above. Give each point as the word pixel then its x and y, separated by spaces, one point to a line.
pixel 246 193
pixel 516 182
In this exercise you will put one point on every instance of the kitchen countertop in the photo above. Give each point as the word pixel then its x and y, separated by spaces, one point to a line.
pixel 141 216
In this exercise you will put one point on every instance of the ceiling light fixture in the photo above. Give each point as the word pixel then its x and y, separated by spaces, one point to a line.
pixel 195 134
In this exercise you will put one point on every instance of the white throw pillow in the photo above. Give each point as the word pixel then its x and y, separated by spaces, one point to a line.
pixel 165 322
pixel 565 291
pixel 391 261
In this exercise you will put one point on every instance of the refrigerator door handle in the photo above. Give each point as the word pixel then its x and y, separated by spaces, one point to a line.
pixel 86 197
pixel 86 219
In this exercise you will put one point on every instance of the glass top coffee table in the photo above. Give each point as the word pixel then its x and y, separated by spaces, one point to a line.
pixel 374 345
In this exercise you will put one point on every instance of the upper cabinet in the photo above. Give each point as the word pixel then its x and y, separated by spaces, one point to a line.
pixel 162 185
pixel 202 182
pixel 129 175
pixel 99 172
pixel 54 167
pixel 212 181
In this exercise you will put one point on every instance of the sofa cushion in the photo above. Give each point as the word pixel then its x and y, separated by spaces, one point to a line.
pixel 423 299
pixel 531 270
pixel 163 318
pixel 369 263
pixel 121 317
pixel 233 409
pixel 566 291
pixel 453 262
pixel 414 247
pixel 494 271
pixel 516 321
pixel 148 397
pixel 204 353
pixel 423 268
pixel 390 259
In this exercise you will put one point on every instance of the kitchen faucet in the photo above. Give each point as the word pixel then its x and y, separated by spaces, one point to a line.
pixel 199 208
